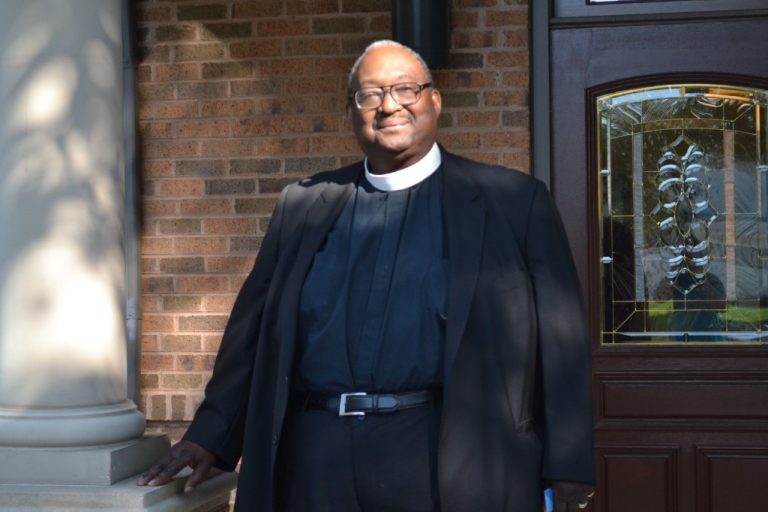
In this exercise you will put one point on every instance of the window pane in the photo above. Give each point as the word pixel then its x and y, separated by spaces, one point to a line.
pixel 683 187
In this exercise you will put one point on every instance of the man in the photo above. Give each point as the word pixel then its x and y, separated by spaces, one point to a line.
pixel 411 336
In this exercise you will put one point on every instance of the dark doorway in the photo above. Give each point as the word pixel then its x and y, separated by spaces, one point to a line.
pixel 658 152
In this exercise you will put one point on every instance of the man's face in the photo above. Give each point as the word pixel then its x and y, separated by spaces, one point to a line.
pixel 394 136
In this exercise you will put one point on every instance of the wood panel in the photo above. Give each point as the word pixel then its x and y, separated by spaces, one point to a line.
pixel 659 396
pixel 732 479
pixel 637 479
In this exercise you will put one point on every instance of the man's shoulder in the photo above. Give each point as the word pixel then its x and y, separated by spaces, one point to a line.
pixel 496 178
pixel 341 176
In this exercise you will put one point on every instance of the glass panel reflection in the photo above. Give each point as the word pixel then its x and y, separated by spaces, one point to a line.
pixel 683 190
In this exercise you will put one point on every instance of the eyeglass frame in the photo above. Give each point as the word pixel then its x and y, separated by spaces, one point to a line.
pixel 387 89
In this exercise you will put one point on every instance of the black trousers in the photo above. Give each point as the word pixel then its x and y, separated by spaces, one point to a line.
pixel 378 463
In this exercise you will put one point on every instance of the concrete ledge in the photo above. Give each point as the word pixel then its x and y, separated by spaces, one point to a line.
pixel 96 465
pixel 210 496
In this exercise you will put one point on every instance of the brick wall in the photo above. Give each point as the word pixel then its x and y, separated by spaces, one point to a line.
pixel 239 98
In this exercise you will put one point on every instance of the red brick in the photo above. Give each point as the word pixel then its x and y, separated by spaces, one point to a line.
pixel 506 139
pixel 506 17
pixel 150 381
pixel 381 24
pixel 167 110
pixel 282 146
pixel 156 323
pixel 201 284
pixel 478 119
pixel 201 12
pixel 177 32
pixel 144 14
pixel 230 226
pixel 282 27
pixel 178 226
pixel 313 46
pixel 150 342
pixel 366 6
pixel 202 362
pixel 475 3
pixel 211 343
pixel 148 92
pixel 181 381
pixel 310 85
pixel 157 362
pixel 228 147
pixel 312 7
pixel 255 166
pixel 461 140
pixel 178 407
pixel 334 144
pixel 228 108
pixel 202 128
pixel 200 245
pixel 169 149
pixel 345 25
pixel 199 168
pixel 465 19
pixel 150 304
pixel 257 127
pixel 202 323
pixel 185 265
pixel 516 38
pixel 274 185
pixel 155 130
pixel 190 52
pixel 181 343
pixel 475 39
pixel 152 54
pixel 508 59
pixel 155 246
pixel 182 303
pixel 157 169
pixel 230 186
pixel 156 409
pixel 162 284
pixel 334 66
pixel 219 303
pixel 506 98
pixel 205 206
pixel 257 9
pixel 255 87
pixel 226 30
pixel 227 70
pixel 283 67
pixel 282 105
pixel 176 72
pixel 250 49
pixel 249 244
pixel 516 79
pixel 202 90
pixel 180 187
pixel 519 160
pixel 476 79
pixel 143 73
pixel 228 264
pixel 159 208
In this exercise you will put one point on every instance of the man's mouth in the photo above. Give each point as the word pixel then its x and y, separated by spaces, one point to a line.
pixel 392 124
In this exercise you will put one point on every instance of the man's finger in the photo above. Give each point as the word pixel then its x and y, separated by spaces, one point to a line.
pixel 197 475
pixel 170 470
pixel 154 470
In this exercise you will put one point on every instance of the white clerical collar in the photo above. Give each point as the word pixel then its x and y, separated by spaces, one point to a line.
pixel 407 177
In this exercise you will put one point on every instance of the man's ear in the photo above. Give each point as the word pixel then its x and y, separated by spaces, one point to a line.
pixel 437 101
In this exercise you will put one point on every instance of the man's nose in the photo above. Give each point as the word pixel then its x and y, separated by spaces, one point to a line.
pixel 388 104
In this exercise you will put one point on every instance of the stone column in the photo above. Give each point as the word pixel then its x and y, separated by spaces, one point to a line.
pixel 64 413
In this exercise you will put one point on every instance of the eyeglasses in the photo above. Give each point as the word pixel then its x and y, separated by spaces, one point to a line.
pixel 404 94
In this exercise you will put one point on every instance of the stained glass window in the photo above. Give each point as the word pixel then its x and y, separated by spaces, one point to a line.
pixel 683 186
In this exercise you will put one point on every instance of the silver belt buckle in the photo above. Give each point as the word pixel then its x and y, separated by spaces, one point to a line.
pixel 343 405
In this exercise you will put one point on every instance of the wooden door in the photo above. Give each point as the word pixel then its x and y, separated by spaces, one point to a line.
pixel 658 154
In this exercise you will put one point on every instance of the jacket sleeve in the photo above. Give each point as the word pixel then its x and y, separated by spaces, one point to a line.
pixel 564 346
pixel 219 421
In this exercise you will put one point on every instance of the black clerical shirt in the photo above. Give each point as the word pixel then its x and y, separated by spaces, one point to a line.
pixel 372 314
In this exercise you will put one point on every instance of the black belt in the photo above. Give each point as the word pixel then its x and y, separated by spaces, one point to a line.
pixel 360 404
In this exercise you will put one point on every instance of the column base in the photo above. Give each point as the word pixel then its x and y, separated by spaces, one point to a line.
pixel 212 495
pixel 96 465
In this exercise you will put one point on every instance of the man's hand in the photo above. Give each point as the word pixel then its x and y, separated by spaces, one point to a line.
pixel 572 496
pixel 182 454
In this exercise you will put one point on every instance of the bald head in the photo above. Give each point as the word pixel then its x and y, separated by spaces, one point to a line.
pixel 384 43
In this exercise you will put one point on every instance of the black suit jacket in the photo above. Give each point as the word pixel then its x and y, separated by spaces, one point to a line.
pixel 516 409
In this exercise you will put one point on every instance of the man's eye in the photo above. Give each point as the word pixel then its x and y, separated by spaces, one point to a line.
pixel 368 95
pixel 406 88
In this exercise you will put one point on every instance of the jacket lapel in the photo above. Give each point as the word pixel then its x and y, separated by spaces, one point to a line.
pixel 465 225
